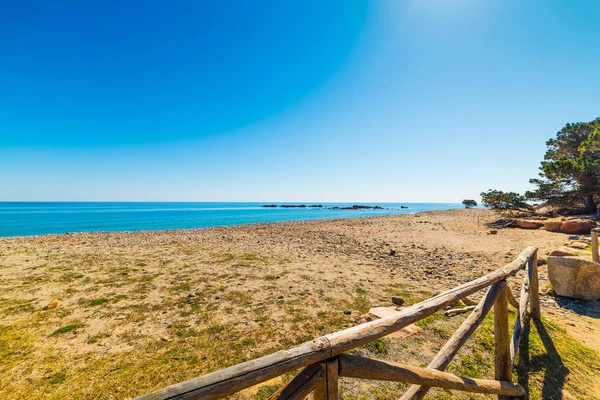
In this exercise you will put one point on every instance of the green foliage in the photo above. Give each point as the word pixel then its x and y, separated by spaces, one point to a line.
pixel 570 171
pixel 64 329
pixel 469 203
pixel 97 302
pixel 499 200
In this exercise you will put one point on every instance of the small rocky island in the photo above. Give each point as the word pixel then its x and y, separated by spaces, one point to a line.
pixel 353 207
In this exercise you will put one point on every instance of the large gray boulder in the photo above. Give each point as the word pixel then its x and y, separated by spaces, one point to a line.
pixel 574 277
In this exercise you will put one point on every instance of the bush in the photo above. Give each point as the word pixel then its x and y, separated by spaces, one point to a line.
pixel 499 200
pixel 469 203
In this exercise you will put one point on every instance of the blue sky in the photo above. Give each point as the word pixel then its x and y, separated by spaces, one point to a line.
pixel 383 100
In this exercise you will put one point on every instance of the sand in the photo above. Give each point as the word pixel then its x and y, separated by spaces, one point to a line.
pixel 259 287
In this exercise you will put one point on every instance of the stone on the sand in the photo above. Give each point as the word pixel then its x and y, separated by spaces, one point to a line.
pixel 541 260
pixel 552 226
pixel 493 232
pixel 53 304
pixel 579 245
pixel 529 224
pixel 574 277
pixel 397 300
pixel 577 226
pixel 562 253
pixel 347 312
pixel 382 312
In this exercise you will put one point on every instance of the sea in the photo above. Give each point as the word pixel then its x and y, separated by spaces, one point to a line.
pixel 40 218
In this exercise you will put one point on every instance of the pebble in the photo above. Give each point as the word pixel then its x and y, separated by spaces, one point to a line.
pixel 347 312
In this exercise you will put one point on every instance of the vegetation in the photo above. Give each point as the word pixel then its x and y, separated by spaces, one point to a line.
pixel 469 203
pixel 570 171
pixel 499 200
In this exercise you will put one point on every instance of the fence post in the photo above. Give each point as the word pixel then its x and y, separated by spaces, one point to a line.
pixel 328 388
pixel 595 255
pixel 503 362
pixel 534 289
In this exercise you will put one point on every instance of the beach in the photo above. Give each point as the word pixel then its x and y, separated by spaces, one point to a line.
pixel 138 311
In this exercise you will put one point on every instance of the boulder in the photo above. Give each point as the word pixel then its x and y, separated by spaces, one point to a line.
pixel 552 226
pixel 574 277
pixel 577 226
pixel 529 224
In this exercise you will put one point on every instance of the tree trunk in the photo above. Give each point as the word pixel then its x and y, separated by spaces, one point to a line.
pixel 590 204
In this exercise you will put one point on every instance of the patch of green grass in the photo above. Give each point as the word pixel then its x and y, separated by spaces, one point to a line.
pixel 57 378
pixel 378 346
pixel 265 391
pixel 97 302
pixel 64 329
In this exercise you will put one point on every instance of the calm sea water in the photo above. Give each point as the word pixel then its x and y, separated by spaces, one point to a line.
pixel 22 219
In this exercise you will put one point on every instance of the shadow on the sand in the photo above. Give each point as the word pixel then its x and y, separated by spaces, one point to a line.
pixel 581 307
pixel 549 361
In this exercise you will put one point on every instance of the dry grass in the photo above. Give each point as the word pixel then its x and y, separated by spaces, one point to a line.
pixel 141 311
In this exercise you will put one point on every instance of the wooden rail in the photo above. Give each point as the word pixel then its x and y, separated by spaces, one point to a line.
pixel 324 362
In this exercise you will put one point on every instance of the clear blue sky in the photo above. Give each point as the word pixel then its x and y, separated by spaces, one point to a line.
pixel 338 100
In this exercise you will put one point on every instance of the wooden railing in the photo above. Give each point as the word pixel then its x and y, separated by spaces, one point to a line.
pixel 324 360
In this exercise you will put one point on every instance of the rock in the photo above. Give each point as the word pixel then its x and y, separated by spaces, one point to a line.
pixel 392 252
pixel 280 297
pixel 382 312
pixel 577 226
pixel 541 260
pixel 573 277
pixel 52 305
pixel 573 237
pixel 562 253
pixel 347 312
pixel 192 294
pixel 552 226
pixel 529 224
pixel 579 245
pixel 493 232
pixel 397 300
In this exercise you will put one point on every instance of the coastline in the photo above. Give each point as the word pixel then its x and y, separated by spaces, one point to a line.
pixel 181 303
pixel 29 219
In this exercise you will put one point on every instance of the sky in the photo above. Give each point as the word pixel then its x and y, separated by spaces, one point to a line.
pixel 302 100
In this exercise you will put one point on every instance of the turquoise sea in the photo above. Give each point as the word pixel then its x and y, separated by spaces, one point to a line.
pixel 28 218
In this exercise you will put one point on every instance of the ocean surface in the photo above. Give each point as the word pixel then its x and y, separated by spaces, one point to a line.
pixel 27 218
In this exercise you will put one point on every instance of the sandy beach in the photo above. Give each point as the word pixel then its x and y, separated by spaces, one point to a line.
pixel 139 311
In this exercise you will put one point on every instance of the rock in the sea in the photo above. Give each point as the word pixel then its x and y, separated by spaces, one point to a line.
pixel 53 304
pixel 529 224
pixel 577 226
pixel 552 226
pixel 574 277
pixel 397 300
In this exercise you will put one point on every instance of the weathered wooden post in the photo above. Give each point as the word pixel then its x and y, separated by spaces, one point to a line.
pixel 503 362
pixel 534 291
pixel 328 388
pixel 595 255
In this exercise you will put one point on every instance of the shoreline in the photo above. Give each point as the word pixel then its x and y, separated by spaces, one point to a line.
pixel 219 226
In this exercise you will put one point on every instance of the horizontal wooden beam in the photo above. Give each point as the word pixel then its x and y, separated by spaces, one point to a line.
pixel 366 368
pixel 447 353
pixel 241 376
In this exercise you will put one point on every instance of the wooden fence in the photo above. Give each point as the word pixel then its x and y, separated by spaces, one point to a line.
pixel 324 360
